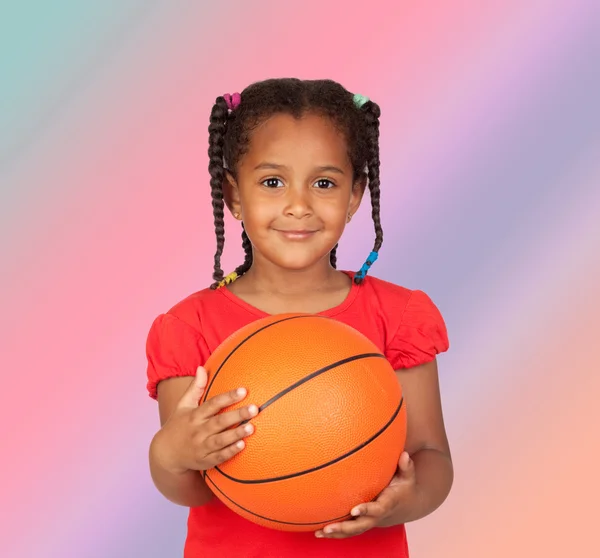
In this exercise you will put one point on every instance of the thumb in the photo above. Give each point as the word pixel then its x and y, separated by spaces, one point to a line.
pixel 193 393
pixel 406 465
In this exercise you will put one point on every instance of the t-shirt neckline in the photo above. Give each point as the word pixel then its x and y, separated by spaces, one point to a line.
pixel 350 298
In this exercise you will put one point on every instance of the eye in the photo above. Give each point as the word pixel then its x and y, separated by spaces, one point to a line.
pixel 324 184
pixel 272 183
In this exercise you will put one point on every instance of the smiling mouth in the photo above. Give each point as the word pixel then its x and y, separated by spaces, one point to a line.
pixel 299 235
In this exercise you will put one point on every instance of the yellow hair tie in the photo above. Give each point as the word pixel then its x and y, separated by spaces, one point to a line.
pixel 228 279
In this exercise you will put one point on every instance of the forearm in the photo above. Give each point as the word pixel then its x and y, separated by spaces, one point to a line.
pixel 434 475
pixel 185 488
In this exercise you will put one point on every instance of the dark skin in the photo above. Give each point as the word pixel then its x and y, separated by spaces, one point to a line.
pixel 295 192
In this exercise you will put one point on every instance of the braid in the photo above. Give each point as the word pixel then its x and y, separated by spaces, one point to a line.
pixel 372 113
pixel 333 257
pixel 216 136
pixel 247 246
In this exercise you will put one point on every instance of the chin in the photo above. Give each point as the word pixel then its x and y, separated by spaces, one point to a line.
pixel 295 264
pixel 298 262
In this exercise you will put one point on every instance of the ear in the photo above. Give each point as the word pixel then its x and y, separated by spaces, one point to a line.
pixel 231 195
pixel 358 190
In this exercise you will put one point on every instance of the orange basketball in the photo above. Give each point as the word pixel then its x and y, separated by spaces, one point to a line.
pixel 331 423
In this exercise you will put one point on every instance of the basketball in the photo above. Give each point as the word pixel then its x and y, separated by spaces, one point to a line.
pixel 331 424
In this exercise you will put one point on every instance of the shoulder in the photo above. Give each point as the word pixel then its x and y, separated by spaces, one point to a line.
pixel 385 291
pixel 195 306
pixel 394 300
pixel 403 302
pixel 416 329
pixel 176 343
pixel 182 326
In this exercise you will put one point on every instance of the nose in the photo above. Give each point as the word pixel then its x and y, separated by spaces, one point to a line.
pixel 298 202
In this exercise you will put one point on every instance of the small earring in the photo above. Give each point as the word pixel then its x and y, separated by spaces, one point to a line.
pixel 236 215
pixel 349 218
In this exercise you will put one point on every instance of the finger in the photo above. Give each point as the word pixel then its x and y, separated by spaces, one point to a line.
pixel 224 421
pixel 229 437
pixel 375 509
pixel 347 528
pixel 215 404
pixel 406 465
pixel 386 501
pixel 194 392
pixel 218 457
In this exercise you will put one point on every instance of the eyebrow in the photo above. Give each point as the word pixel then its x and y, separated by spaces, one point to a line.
pixel 325 168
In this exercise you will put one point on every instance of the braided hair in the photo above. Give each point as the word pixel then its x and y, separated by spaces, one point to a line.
pixel 231 127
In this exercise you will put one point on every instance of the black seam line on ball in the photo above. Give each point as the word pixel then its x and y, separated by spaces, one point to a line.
pixel 347 516
pixel 311 376
pixel 313 469
pixel 205 396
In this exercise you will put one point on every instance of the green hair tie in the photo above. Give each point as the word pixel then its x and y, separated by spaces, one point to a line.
pixel 360 100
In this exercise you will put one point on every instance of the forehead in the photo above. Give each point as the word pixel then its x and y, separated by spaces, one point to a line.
pixel 311 138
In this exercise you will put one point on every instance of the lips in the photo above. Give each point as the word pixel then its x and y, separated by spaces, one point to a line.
pixel 296 234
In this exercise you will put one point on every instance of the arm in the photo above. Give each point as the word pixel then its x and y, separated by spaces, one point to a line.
pixel 195 437
pixel 425 471
pixel 186 488
pixel 426 442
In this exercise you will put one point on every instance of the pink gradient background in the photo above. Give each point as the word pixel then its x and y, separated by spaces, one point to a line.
pixel 490 148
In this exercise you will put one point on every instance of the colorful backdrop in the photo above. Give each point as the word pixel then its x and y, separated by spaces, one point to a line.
pixel 490 149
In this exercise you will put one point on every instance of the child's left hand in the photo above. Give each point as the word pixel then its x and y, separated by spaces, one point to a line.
pixel 397 500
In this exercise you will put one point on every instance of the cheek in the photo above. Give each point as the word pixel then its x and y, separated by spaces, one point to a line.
pixel 335 211
pixel 260 210
pixel 258 213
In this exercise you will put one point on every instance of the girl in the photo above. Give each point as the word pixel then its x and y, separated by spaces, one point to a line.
pixel 291 160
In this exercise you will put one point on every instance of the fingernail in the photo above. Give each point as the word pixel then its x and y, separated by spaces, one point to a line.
pixel 355 512
pixel 328 530
pixel 253 409
pixel 240 444
pixel 241 392
pixel 248 428
pixel 319 535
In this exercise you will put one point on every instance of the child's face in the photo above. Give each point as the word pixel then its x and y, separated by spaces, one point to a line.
pixel 295 190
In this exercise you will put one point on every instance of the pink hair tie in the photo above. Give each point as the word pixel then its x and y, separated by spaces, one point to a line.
pixel 233 101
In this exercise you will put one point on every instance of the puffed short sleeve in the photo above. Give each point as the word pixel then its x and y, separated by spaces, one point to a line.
pixel 173 349
pixel 421 334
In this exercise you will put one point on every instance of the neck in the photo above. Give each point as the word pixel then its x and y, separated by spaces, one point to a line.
pixel 268 278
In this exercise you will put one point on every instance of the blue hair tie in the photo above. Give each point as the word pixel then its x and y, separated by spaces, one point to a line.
pixel 365 268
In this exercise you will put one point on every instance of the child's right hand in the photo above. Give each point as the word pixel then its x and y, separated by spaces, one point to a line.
pixel 195 437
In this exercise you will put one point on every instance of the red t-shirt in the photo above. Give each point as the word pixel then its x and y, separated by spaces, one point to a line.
pixel 405 325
